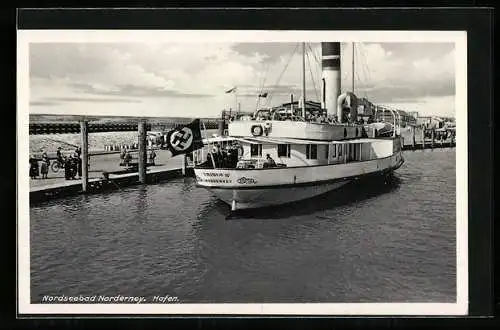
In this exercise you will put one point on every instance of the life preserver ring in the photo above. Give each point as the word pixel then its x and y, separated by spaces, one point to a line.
pixel 257 130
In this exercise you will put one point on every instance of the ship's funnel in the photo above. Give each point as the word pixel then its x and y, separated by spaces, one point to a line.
pixel 330 66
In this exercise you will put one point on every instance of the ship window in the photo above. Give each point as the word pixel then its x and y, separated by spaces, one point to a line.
pixel 327 151
pixel 255 150
pixel 284 150
pixel 312 151
pixel 340 150
pixel 334 151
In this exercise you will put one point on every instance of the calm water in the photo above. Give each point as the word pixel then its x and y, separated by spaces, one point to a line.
pixel 368 242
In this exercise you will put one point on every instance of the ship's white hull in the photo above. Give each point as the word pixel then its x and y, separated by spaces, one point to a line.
pixel 244 189
pixel 240 199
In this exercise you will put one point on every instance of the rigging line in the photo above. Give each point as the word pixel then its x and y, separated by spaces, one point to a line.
pixel 362 73
pixel 312 77
pixel 318 62
pixel 263 79
pixel 358 75
pixel 268 100
pixel 365 65
pixel 261 88
pixel 365 59
pixel 315 57
pixel 359 83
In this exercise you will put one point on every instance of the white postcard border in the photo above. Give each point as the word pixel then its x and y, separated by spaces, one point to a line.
pixel 23 95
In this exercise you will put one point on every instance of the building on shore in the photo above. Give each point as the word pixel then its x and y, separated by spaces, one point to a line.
pixel 436 121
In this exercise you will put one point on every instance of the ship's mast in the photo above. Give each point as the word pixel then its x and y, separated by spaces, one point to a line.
pixel 352 68
pixel 304 80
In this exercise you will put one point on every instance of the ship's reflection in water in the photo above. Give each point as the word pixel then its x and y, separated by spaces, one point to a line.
pixel 370 241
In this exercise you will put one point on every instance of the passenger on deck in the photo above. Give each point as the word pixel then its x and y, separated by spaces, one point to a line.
pixel 269 162
pixel 210 162
pixel 232 158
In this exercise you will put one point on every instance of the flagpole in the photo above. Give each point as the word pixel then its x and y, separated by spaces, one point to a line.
pixel 236 98
pixel 208 142
pixel 304 80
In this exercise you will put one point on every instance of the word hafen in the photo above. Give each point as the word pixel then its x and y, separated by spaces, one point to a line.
pixel 165 299
pixel 93 299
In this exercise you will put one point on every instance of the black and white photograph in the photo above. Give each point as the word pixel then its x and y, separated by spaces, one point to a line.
pixel 242 172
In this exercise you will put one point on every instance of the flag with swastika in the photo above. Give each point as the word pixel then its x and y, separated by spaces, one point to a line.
pixel 185 139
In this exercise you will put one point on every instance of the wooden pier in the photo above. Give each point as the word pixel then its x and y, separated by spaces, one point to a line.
pixel 109 177
pixel 429 145
pixel 105 174
pixel 102 184
pixel 421 139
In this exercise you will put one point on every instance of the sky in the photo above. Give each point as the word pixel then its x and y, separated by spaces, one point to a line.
pixel 190 79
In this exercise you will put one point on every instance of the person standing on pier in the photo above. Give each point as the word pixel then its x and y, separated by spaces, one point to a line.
pixel 59 155
pixel 127 158
pixel 152 157
pixel 67 169
pixel 78 164
pixel 45 166
pixel 74 166
pixel 70 167
pixel 123 153
pixel 34 171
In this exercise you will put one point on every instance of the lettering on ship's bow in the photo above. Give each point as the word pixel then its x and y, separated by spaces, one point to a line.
pixel 213 177
pixel 244 180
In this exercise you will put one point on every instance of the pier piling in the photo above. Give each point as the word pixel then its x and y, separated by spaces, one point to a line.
pixel 84 133
pixel 184 164
pixel 413 137
pixel 222 124
pixel 423 138
pixel 432 138
pixel 142 151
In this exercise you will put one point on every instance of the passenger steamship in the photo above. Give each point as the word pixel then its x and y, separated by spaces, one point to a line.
pixel 311 158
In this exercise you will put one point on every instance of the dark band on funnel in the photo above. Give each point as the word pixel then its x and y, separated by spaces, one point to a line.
pixel 330 53
pixel 330 48
pixel 331 63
